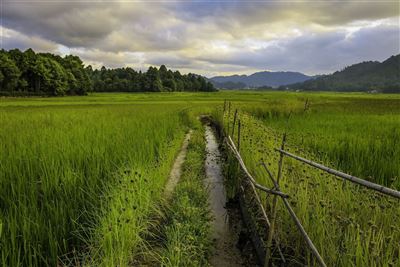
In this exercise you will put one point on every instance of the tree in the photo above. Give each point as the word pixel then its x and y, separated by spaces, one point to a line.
pixel 153 77
pixel 46 73
pixel 9 73
pixel 81 84
pixel 54 78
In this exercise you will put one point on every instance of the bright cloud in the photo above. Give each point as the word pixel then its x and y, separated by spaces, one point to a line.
pixel 210 37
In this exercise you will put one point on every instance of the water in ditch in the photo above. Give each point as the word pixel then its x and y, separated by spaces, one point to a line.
pixel 226 253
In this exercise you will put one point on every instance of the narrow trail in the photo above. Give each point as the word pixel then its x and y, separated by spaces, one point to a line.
pixel 226 253
pixel 176 170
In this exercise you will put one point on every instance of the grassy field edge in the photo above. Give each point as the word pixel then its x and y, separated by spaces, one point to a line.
pixel 188 228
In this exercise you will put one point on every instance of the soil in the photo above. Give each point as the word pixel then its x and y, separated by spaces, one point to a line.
pixel 176 170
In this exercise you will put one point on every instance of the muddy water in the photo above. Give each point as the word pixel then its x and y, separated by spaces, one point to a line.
pixel 226 252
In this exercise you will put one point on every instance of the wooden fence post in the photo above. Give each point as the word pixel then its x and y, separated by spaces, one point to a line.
pixel 234 122
pixel 229 115
pixel 306 105
pixel 222 119
pixel 268 254
pixel 238 142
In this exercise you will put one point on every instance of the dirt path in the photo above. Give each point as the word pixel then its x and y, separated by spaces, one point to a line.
pixel 226 252
pixel 176 170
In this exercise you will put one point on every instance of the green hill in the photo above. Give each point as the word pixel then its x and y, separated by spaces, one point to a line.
pixel 371 76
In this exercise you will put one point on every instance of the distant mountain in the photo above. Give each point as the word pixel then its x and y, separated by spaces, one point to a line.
pixel 259 79
pixel 362 77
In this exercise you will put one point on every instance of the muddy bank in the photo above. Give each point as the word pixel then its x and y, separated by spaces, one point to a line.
pixel 176 170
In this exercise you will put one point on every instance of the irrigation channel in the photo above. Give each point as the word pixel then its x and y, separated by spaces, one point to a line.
pixel 226 252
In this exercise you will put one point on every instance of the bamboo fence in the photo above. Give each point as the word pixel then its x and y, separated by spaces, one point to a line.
pixel 277 193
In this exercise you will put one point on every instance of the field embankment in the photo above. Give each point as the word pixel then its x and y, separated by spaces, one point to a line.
pixel 187 231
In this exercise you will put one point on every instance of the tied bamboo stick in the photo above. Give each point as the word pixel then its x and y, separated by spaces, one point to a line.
pixel 380 188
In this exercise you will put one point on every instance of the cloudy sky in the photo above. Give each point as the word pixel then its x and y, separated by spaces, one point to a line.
pixel 207 37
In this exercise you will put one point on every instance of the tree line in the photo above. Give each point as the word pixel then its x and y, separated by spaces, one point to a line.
pixel 24 73
pixel 30 73
pixel 154 80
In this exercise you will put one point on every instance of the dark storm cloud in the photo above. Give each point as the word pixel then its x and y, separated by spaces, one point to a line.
pixel 70 24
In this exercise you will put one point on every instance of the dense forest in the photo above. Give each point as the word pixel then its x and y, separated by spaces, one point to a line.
pixel 372 76
pixel 154 80
pixel 30 73
pixel 25 73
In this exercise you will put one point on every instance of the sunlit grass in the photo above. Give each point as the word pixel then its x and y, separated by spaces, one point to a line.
pixel 188 228
pixel 82 180
pixel 349 225
pixel 79 176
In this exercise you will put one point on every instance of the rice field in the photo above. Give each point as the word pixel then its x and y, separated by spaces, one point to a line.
pixel 349 225
pixel 81 176
pixel 77 182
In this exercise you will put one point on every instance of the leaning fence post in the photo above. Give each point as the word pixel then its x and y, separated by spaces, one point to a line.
pixel 238 140
pixel 222 119
pixel 234 122
pixel 229 115
pixel 268 254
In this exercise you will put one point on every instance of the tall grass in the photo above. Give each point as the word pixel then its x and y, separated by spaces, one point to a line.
pixel 361 136
pixel 81 179
pixel 79 176
pixel 188 226
pixel 349 225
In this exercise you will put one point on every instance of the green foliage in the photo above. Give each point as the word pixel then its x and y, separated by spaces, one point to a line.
pixel 154 80
pixel 78 79
pixel 188 230
pixel 358 134
pixel 42 74
pixel 366 76
pixel 48 74
pixel 81 174
pixel 69 173
pixel 9 73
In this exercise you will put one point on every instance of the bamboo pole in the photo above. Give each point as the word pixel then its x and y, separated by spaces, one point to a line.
pixel 229 115
pixel 222 119
pixel 238 140
pixel 232 146
pixel 256 195
pixel 304 233
pixel 297 221
pixel 356 180
pixel 274 209
pixel 253 184
pixel 306 105
pixel 234 122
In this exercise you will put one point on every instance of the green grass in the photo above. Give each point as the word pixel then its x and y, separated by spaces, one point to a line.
pixel 188 230
pixel 80 176
pixel 82 179
pixel 360 136
pixel 349 225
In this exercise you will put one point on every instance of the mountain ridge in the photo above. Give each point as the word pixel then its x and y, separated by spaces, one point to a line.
pixel 372 76
pixel 259 79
